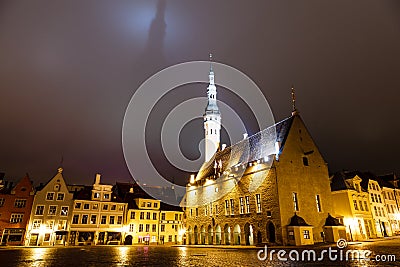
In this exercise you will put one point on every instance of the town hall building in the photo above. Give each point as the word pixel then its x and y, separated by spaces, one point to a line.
pixel 247 194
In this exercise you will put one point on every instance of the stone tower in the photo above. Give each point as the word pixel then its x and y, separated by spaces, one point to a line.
pixel 212 118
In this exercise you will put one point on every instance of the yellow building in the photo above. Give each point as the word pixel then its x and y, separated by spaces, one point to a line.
pixel 351 204
pixel 378 207
pixel 391 195
pixel 97 219
pixel 142 221
pixel 171 225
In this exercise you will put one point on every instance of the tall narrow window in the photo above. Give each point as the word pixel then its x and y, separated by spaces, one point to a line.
pixel 232 207
pixel 226 207
pixel 355 204
pixel 318 202
pixel 247 204
pixel 295 202
pixel 258 201
pixel 305 161
pixel 241 202
pixel 211 209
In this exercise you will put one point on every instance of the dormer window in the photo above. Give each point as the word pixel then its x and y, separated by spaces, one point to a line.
pixel 106 196
pixel 96 195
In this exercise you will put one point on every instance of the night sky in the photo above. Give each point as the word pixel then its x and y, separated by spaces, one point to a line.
pixel 69 68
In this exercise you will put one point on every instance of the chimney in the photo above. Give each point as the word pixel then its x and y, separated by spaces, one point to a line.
pixel 97 180
pixel 223 146
pixel 245 136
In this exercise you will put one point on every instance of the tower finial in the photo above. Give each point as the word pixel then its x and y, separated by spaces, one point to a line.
pixel 294 110
pixel 211 69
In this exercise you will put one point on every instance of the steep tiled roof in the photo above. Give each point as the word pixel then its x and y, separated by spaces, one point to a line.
pixel 257 146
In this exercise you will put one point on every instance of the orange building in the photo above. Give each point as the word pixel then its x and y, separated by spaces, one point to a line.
pixel 15 208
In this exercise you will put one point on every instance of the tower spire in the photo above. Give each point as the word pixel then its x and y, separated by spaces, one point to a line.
pixel 212 118
pixel 211 69
pixel 294 110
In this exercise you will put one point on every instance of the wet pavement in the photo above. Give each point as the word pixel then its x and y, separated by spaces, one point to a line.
pixel 191 256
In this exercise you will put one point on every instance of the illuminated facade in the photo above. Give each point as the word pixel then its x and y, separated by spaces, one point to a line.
pixel 352 205
pixel 96 218
pixel 15 210
pixel 249 192
pixel 172 229
pixel 51 214
pixel 142 222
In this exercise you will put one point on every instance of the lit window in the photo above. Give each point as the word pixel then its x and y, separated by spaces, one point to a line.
pixel 258 201
pixel 306 234
pixel 247 204
pixel 355 204
pixel 36 224
pixel 226 207
pixel 295 202
pixel 64 211
pixel 241 202
pixel 318 202
pixel 106 196
pixel 95 206
pixel 96 195
pixel 16 217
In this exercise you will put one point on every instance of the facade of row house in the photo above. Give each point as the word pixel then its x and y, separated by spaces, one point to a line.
pixel 172 229
pixel 391 194
pixel 378 206
pixel 97 219
pixel 352 204
pixel 50 216
pixel 249 193
pixel 15 209
pixel 148 221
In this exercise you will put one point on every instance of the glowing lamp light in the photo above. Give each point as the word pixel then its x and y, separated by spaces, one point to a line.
pixel 192 178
